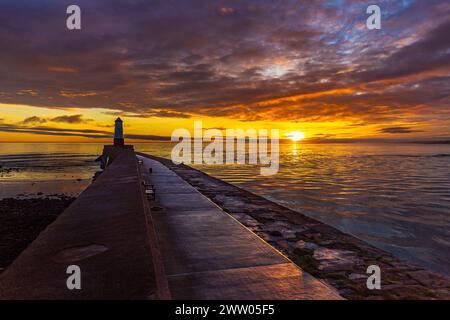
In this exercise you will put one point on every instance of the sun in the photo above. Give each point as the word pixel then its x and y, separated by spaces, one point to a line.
pixel 296 135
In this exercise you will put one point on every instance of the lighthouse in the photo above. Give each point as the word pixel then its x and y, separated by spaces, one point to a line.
pixel 111 152
pixel 118 133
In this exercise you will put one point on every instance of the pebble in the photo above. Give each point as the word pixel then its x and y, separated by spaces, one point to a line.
pixel 331 259
pixel 306 245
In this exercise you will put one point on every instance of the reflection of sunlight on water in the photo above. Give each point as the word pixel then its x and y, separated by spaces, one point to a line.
pixel 294 148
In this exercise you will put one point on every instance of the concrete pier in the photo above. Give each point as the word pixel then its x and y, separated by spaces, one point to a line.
pixel 207 254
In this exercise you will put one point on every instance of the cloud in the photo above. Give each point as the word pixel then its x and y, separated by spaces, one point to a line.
pixel 226 10
pixel 323 135
pixel 86 133
pixel 71 94
pixel 255 60
pixel 78 118
pixel 147 137
pixel 34 119
pixel 70 119
pixel 395 130
pixel 150 114
pixel 431 52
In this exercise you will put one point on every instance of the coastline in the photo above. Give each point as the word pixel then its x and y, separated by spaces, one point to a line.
pixel 321 250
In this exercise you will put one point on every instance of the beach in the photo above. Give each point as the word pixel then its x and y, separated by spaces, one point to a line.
pixel 21 221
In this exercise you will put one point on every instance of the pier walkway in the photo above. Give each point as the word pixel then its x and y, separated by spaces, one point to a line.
pixel 207 254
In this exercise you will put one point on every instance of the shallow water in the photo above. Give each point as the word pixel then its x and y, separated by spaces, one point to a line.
pixel 30 169
pixel 395 196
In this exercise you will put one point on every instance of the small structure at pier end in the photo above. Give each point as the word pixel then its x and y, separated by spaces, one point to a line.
pixel 118 133
pixel 110 152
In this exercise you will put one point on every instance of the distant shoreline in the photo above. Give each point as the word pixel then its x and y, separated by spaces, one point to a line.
pixel 306 141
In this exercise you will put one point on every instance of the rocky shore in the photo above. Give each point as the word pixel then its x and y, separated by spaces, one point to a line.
pixel 325 252
pixel 21 221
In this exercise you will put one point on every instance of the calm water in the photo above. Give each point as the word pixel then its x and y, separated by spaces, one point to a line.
pixel 394 196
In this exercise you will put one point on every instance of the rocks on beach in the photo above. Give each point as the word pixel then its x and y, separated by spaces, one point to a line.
pixel 21 221
pixel 5 171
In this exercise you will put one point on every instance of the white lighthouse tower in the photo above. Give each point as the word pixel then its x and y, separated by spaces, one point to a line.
pixel 118 133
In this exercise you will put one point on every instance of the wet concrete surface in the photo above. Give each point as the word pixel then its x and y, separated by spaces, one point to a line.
pixel 207 254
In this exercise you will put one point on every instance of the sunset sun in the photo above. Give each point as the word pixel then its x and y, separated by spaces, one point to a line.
pixel 296 135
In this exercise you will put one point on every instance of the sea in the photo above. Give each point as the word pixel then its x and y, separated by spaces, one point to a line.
pixel 394 196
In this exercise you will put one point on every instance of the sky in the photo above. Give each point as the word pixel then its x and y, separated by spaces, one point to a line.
pixel 309 66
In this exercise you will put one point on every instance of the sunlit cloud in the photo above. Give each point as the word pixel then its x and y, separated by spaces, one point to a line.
pixel 71 94
pixel 256 61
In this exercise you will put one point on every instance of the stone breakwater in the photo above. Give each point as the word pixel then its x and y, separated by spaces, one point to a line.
pixel 325 252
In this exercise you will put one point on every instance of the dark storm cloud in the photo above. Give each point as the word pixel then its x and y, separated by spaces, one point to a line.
pixel 240 59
